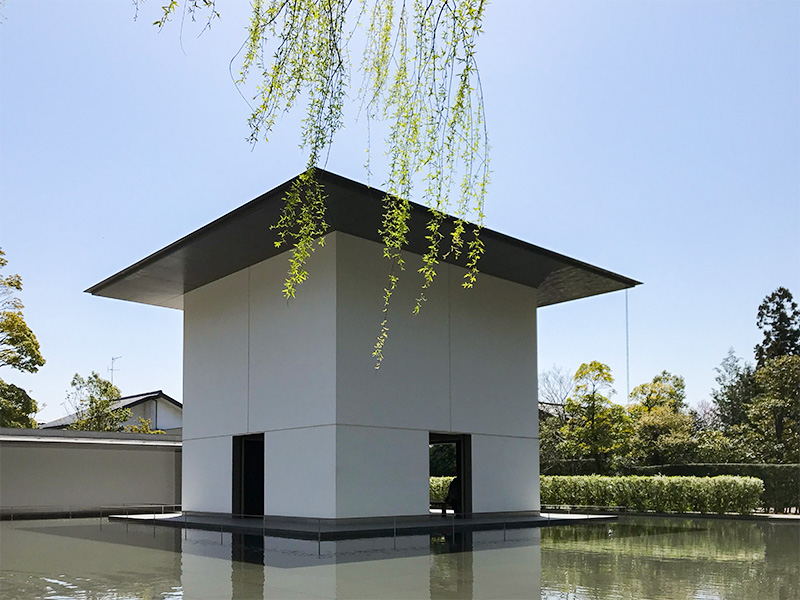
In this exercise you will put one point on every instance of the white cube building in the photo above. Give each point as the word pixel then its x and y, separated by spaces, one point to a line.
pixel 284 411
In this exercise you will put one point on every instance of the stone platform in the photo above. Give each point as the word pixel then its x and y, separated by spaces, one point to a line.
pixel 344 529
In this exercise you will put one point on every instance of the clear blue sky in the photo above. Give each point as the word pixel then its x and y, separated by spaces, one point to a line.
pixel 660 140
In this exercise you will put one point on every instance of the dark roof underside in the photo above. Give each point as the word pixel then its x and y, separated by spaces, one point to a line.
pixel 243 238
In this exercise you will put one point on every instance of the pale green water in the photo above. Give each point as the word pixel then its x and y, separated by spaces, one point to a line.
pixel 631 559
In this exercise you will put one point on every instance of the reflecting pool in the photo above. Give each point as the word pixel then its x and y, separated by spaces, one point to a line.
pixel 633 558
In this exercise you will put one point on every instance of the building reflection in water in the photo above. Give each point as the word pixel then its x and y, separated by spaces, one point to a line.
pixel 460 565
pixel 634 558
pixel 91 558
pixel 247 566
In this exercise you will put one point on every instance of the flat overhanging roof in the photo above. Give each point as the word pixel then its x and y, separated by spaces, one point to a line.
pixel 243 238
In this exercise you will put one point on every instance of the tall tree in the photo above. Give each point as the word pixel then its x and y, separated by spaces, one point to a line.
pixel 93 399
pixel 736 391
pixel 19 349
pixel 779 321
pixel 775 413
pixel 596 427
pixel 420 74
pixel 662 432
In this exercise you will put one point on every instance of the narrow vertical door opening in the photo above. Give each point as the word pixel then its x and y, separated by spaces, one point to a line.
pixel 248 475
pixel 451 455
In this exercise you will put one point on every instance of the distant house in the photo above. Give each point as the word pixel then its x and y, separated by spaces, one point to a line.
pixel 163 411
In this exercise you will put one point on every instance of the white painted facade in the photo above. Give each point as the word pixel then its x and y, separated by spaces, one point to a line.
pixel 162 414
pixel 342 439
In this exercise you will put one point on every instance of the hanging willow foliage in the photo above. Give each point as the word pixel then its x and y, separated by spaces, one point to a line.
pixel 419 75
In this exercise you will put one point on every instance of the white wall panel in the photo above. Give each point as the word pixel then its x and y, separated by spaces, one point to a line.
pixel 381 472
pixel 215 350
pixel 207 474
pixel 411 389
pixel 300 472
pixel 493 357
pixel 292 360
pixel 505 473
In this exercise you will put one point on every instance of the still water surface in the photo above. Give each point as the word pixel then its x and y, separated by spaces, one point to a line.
pixel 633 558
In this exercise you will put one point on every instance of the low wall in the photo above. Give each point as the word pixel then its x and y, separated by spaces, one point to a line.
pixel 51 471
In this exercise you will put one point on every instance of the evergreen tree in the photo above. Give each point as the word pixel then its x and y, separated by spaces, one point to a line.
pixel 779 320
pixel 775 412
pixel 737 388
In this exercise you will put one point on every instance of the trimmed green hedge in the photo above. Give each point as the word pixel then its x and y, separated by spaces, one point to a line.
pixel 722 494
pixel 781 482
pixel 439 487
pixel 567 466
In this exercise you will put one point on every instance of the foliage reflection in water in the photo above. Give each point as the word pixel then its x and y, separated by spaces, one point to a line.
pixel 631 558
pixel 673 558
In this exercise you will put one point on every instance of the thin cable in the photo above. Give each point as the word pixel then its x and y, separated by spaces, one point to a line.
pixel 627 352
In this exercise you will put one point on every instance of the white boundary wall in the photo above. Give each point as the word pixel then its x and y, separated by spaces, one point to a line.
pixel 70 470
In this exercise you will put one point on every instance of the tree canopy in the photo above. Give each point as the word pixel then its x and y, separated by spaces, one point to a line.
pixel 419 74
pixel 666 390
pixel 92 398
pixel 661 435
pixel 16 407
pixel 774 414
pixel 737 388
pixel 19 349
pixel 595 428
pixel 779 321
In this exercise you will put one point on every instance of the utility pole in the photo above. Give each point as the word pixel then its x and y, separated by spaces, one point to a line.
pixel 111 369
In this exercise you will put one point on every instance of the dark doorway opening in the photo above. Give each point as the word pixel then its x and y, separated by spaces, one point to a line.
pixel 451 454
pixel 248 475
